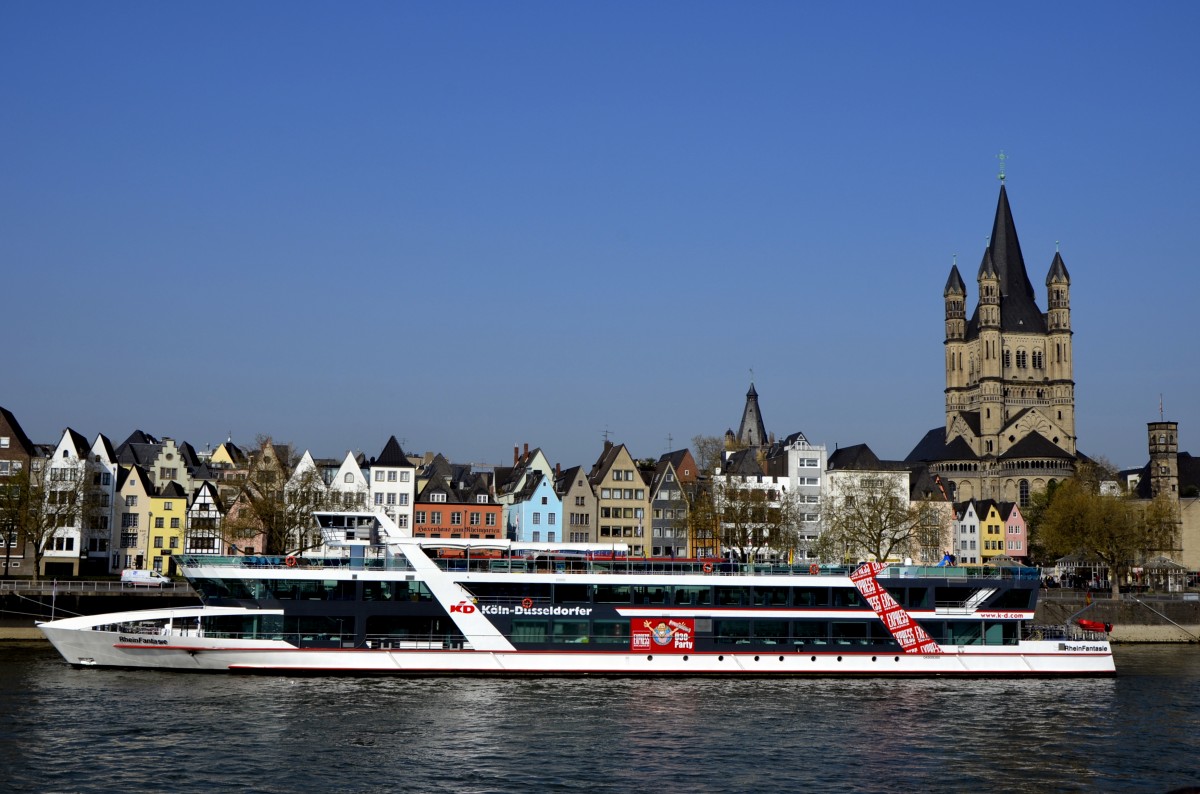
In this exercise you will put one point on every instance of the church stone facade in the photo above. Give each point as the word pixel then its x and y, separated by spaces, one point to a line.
pixel 1010 389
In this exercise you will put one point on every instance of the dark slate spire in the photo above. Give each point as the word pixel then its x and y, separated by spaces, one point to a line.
pixel 986 266
pixel 392 455
pixel 751 431
pixel 954 284
pixel 1018 306
pixel 1058 271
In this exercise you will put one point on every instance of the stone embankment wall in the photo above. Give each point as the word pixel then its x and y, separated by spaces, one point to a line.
pixel 1141 620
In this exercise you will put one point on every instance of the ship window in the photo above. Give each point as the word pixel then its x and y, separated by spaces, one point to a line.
pixel 611 632
pixel 729 632
pixel 570 593
pixel 771 632
pixel 847 633
pixel 810 596
pixel 570 631
pixel 649 594
pixel 611 594
pixel 964 632
pixel 812 632
pixel 771 596
pixel 847 597
pixel 529 631
pixel 693 596
pixel 733 596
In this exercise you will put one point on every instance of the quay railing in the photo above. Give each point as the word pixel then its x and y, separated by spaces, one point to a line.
pixel 89 587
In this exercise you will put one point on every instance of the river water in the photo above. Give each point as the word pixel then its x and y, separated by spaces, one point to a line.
pixel 64 729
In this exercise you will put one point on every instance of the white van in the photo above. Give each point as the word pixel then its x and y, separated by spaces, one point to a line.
pixel 138 578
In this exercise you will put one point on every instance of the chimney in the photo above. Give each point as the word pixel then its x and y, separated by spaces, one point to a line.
pixel 557 470
pixel 526 448
pixel 516 455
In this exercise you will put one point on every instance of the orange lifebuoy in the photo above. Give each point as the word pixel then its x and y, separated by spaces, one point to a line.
pixel 527 602
pixel 814 569
pixel 708 567
pixel 291 561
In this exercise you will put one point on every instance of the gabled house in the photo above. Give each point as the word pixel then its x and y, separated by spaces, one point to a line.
pixel 133 494
pixel 623 499
pixel 17 454
pixel 99 530
pixel 515 486
pixel 1016 532
pixel 168 516
pixel 966 533
pixel 579 504
pixel 393 484
pixel 669 493
pixel 67 492
pixel 204 515
pixel 535 512
pixel 350 485
pixel 456 503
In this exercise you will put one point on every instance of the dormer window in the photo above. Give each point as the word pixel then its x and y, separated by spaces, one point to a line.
pixel 481 499
pixel 437 497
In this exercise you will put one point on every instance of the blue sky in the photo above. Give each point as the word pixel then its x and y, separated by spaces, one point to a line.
pixel 476 225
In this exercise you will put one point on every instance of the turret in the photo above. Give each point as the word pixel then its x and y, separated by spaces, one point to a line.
pixel 1164 458
pixel 955 295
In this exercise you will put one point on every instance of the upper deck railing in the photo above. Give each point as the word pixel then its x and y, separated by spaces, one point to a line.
pixel 376 560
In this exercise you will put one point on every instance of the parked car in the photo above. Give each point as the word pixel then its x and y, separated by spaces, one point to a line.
pixel 139 578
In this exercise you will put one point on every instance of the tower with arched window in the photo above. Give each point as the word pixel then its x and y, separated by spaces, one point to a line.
pixel 1010 388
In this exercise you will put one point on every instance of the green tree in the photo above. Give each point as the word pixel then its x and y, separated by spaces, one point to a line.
pixel 1112 528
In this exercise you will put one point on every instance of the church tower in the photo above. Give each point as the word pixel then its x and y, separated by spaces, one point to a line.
pixel 752 432
pixel 1010 392
pixel 1164 458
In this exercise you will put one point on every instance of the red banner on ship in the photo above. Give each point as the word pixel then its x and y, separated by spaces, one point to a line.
pixel 662 635
pixel 905 630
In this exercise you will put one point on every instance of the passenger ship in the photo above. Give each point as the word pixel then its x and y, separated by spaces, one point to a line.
pixel 375 602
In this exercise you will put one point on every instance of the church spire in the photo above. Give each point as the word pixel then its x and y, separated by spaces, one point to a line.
pixel 751 431
pixel 1018 306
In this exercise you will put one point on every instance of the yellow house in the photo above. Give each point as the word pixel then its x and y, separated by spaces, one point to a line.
pixel 168 517
pixel 991 530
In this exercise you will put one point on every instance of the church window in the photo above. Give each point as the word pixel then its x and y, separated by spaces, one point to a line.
pixel 1007 359
pixel 1022 360
pixel 1024 491
pixel 1037 359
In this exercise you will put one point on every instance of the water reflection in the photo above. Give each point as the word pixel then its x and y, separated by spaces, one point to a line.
pixel 99 730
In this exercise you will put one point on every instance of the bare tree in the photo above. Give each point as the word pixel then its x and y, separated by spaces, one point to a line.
pixel 755 521
pixel 35 505
pixel 277 507
pixel 868 517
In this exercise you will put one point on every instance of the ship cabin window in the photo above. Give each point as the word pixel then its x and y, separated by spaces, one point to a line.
pixel 611 632
pixel 771 632
pixel 571 594
pixel 529 630
pixel 1013 599
pixel 733 596
pixel 570 631
pixel 952 596
pixel 910 597
pixel 611 594
pixel 692 596
pixel 849 632
pixel 810 596
pixel 771 596
pixel 649 594
pixel 731 632
pixel 810 632
pixel 847 597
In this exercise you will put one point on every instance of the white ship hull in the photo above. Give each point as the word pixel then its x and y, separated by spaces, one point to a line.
pixel 177 651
